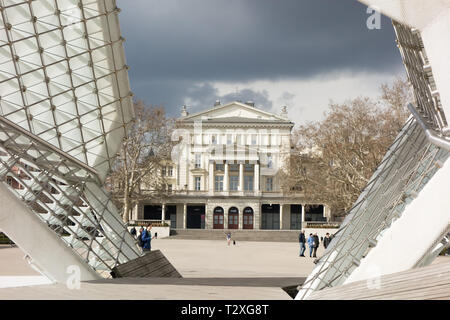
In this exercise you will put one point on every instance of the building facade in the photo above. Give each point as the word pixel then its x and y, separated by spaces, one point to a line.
pixel 225 173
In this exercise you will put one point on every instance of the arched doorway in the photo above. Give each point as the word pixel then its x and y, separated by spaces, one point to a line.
pixel 233 218
pixel 218 218
pixel 248 218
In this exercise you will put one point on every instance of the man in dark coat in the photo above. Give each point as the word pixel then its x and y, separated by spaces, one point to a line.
pixel 302 241
pixel 326 240
pixel 316 244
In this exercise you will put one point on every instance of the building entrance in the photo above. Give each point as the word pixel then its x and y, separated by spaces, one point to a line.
pixel 270 216
pixel 218 215
pixel 233 218
pixel 296 217
pixel 152 212
pixel 195 218
pixel 248 218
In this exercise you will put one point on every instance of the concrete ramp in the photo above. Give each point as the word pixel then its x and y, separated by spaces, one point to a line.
pixel 153 264
pixel 428 283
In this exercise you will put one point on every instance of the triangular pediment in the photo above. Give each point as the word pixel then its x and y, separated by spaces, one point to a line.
pixel 234 112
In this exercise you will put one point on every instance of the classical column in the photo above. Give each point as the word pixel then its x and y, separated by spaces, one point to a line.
pixel 281 216
pixel 163 212
pixel 241 176
pixel 303 214
pixel 256 177
pixel 225 178
pixel 184 215
pixel 211 177
pixel 206 216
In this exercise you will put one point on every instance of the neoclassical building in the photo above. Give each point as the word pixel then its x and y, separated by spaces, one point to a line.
pixel 224 173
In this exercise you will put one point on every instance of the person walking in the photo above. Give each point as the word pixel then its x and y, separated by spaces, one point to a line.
pixel 310 244
pixel 133 232
pixel 139 238
pixel 228 237
pixel 302 241
pixel 147 238
pixel 326 240
pixel 316 242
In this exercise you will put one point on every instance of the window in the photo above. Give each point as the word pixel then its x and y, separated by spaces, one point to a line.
pixel 163 171
pixel 269 161
pixel 197 183
pixel 248 183
pixel 213 139
pixel 269 184
pixel 234 167
pixel 198 161
pixel 170 171
pixel 218 183
pixel 234 182
pixel 219 167
pixel 248 167
pixel 229 139
pixel 169 188
pixel 253 139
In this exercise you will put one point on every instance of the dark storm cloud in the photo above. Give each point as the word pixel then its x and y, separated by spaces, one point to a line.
pixel 172 93
pixel 187 41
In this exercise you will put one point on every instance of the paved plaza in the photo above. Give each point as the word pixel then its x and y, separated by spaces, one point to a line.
pixel 211 270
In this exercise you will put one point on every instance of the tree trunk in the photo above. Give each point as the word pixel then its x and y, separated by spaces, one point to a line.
pixel 126 203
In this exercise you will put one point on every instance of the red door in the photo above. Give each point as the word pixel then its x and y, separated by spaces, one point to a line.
pixel 218 218
pixel 248 218
pixel 233 218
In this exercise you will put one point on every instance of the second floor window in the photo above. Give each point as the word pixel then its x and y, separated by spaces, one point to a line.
pixel 170 171
pixel 269 184
pixel 269 161
pixel 198 183
pixel 198 161
pixel 169 188
pixel 248 183
pixel 219 167
pixel 213 139
pixel 234 182
pixel 218 183
pixel 253 139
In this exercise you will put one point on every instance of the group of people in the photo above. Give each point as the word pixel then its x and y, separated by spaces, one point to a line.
pixel 145 237
pixel 313 242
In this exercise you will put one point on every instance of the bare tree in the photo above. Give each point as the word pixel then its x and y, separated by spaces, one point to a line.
pixel 334 159
pixel 141 155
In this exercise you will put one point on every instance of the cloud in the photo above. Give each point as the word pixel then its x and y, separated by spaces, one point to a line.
pixel 226 40
pixel 180 50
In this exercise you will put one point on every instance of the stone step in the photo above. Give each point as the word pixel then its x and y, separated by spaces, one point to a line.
pixel 238 235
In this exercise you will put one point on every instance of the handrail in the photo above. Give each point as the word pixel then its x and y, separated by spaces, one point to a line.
pixel 431 134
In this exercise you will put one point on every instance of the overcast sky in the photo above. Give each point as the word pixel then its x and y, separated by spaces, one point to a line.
pixel 299 53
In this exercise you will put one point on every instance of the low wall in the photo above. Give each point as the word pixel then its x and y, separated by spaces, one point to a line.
pixel 163 232
pixel 320 231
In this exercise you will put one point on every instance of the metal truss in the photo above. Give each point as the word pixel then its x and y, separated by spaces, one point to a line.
pixel 420 75
pixel 66 196
pixel 63 75
pixel 65 105
pixel 408 165
pixel 420 149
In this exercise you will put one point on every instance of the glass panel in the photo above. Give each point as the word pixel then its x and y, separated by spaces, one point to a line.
pixel 234 182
